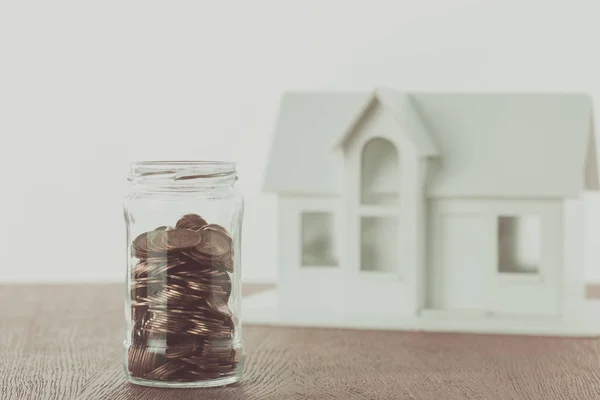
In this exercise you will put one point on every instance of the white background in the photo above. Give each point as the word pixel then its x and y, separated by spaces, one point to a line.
pixel 86 87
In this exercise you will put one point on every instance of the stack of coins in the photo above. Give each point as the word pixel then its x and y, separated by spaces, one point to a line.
pixel 183 328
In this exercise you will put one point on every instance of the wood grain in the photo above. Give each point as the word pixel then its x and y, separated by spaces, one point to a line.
pixel 65 342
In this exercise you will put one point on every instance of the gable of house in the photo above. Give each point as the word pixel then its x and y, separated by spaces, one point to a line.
pixel 406 119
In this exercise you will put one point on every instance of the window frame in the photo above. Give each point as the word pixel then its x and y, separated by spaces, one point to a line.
pixel 334 249
pixel 368 210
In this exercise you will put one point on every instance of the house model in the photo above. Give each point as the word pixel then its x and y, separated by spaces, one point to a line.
pixel 460 212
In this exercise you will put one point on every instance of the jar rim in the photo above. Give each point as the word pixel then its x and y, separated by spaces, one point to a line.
pixel 181 171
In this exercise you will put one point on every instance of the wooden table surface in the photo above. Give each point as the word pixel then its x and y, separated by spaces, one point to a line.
pixel 65 342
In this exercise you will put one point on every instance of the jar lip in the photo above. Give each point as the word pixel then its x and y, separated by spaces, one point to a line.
pixel 181 171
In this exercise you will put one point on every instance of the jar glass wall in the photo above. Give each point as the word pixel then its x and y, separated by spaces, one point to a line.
pixel 183 291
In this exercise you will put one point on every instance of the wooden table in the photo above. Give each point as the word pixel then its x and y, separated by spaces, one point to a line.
pixel 65 342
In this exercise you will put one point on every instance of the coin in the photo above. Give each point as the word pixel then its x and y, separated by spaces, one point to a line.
pixel 140 360
pixel 139 246
pixel 200 258
pixel 237 355
pixel 180 350
pixel 169 294
pixel 165 370
pixel 217 228
pixel 192 222
pixel 143 282
pixel 165 326
pixel 227 264
pixel 166 267
pixel 140 302
pixel 140 269
pixel 219 348
pixel 218 305
pixel 214 243
pixel 157 243
pixel 205 374
pixel 181 239
pixel 216 284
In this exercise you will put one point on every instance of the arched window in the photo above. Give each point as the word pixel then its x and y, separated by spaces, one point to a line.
pixel 380 175
pixel 379 209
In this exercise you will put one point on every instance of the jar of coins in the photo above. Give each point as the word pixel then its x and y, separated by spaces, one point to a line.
pixel 183 224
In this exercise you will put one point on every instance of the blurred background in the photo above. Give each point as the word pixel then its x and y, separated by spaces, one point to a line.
pixel 86 88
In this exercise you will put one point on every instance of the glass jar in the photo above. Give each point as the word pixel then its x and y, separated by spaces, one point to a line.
pixel 183 292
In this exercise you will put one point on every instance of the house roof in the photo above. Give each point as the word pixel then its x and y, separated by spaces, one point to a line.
pixel 485 144
pixel 402 109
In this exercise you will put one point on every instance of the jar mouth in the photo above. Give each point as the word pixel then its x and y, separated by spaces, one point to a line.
pixel 182 172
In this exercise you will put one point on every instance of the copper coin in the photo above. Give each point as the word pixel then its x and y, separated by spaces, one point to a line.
pixel 227 264
pixel 138 282
pixel 192 222
pixel 218 228
pixel 182 239
pixel 204 307
pixel 214 287
pixel 223 280
pixel 203 362
pixel 140 269
pixel 148 244
pixel 158 266
pixel 165 370
pixel 224 264
pixel 209 329
pixel 164 327
pixel 140 360
pixel 218 305
pixel 205 374
pixel 180 350
pixel 204 263
pixel 213 320
pixel 237 355
pixel 223 355
pixel 204 287
pixel 218 344
pixel 169 294
pixel 139 246
pixel 166 267
pixel 157 243
pixel 165 257
pixel 196 262
pixel 220 334
pixel 140 301
pixel 214 243
pixel 223 368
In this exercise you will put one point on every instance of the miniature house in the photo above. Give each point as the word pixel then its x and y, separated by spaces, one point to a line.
pixel 428 205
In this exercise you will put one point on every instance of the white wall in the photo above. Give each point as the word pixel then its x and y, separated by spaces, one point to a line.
pixel 88 87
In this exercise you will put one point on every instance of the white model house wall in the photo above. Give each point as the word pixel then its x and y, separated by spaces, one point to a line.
pixel 336 284
pixel 309 255
pixel 575 249
pixel 497 256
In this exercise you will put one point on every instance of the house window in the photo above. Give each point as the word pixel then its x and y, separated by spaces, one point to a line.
pixel 379 210
pixel 519 244
pixel 379 173
pixel 379 244
pixel 318 244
